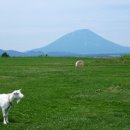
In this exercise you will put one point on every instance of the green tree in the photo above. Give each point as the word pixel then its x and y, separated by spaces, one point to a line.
pixel 4 54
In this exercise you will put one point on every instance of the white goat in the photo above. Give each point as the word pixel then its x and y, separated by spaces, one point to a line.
pixel 6 102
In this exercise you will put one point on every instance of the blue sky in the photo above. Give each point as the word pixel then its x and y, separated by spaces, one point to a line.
pixel 29 24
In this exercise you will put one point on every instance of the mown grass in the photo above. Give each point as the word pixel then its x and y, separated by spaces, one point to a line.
pixel 59 96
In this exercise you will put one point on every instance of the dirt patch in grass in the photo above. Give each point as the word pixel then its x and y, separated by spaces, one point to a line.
pixel 114 89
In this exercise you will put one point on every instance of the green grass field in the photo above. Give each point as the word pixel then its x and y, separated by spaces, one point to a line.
pixel 59 96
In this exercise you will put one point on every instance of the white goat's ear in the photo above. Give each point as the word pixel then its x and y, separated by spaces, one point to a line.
pixel 20 90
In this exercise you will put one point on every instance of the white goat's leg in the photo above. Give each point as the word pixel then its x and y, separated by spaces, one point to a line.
pixel 4 116
pixel 7 112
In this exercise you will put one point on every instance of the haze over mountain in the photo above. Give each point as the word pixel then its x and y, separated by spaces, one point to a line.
pixel 83 42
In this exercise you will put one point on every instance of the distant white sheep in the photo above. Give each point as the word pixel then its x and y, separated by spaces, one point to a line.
pixel 79 63
pixel 6 102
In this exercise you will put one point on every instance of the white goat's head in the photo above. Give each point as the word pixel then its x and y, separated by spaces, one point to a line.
pixel 18 95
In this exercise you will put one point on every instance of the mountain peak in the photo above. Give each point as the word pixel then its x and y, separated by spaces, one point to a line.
pixel 82 32
pixel 83 41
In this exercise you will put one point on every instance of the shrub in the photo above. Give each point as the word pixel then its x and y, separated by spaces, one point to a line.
pixel 125 59
pixel 5 55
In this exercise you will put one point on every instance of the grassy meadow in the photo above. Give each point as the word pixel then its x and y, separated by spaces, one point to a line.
pixel 59 96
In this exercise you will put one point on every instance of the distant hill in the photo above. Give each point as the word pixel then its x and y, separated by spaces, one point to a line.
pixel 33 53
pixel 11 52
pixel 82 42
pixel 14 53
pixel 1 51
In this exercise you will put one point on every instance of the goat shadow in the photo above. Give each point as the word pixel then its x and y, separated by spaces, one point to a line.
pixel 12 120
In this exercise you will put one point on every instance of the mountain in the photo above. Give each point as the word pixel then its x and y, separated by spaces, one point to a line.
pixel 78 43
pixel 82 42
